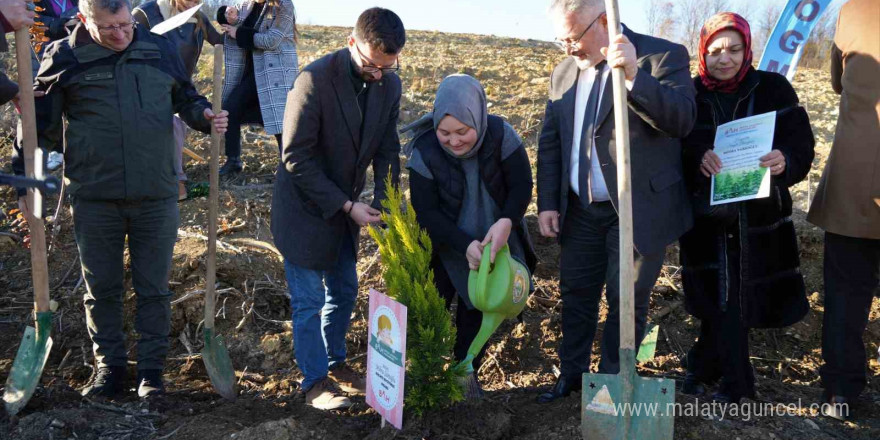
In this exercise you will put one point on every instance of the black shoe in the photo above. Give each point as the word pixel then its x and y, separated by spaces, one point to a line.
pixel 836 407
pixel 693 386
pixel 726 397
pixel 150 383
pixel 563 388
pixel 233 165
pixel 108 382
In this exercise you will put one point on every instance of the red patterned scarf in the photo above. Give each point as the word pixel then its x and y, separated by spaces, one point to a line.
pixel 720 22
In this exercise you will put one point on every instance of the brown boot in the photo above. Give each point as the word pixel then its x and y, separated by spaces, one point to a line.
pixel 349 380
pixel 324 395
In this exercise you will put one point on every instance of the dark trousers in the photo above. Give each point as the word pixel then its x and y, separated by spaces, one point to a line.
pixel 590 260
pixel 722 350
pixel 852 279
pixel 467 321
pixel 243 106
pixel 101 228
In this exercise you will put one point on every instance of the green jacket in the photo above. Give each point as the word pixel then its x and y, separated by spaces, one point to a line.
pixel 119 108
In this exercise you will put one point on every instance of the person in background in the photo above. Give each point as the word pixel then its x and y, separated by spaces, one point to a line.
pixel 577 176
pixel 341 117
pixel 847 206
pixel 740 261
pixel 261 67
pixel 14 15
pixel 120 176
pixel 188 38
pixel 470 185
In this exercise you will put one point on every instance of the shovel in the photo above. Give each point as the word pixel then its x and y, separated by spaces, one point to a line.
pixel 214 354
pixel 36 342
pixel 625 406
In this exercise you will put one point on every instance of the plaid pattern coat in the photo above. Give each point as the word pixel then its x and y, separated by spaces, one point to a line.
pixel 275 61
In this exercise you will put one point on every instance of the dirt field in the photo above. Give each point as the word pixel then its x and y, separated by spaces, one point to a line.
pixel 254 309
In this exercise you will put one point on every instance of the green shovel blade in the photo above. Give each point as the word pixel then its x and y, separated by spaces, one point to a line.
pixel 219 365
pixel 29 363
pixel 608 411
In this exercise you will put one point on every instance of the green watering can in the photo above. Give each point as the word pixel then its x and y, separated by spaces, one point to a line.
pixel 498 290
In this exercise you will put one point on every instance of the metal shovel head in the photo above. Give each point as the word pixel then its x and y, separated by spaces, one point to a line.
pixel 28 365
pixel 219 365
pixel 607 412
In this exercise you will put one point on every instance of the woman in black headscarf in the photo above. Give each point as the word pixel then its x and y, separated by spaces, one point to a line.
pixel 741 265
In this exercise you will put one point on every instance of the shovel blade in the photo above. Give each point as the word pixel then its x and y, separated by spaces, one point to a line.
pixel 219 365
pixel 26 369
pixel 607 412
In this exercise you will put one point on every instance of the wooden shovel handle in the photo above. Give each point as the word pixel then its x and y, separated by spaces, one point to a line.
pixel 214 192
pixel 624 190
pixel 33 166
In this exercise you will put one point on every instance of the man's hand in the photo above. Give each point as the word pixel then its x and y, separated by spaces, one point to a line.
pixel 364 214
pixel 497 235
pixel 231 15
pixel 17 13
pixel 548 223
pixel 220 121
pixel 474 255
pixel 17 97
pixel 622 53
pixel 230 30
pixel 774 160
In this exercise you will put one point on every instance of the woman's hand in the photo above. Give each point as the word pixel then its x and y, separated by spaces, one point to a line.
pixel 474 255
pixel 229 30
pixel 711 164
pixel 497 235
pixel 774 160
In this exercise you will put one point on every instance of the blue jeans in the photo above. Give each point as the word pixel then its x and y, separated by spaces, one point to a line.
pixel 321 303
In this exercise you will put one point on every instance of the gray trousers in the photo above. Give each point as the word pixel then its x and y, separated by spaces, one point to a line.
pixel 101 228
pixel 590 260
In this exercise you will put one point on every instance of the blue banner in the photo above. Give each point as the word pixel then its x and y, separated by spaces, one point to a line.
pixel 786 43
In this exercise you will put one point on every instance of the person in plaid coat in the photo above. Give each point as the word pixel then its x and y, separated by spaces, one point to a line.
pixel 261 66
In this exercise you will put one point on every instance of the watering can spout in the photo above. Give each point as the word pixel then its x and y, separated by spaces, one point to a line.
pixel 491 321
pixel 498 290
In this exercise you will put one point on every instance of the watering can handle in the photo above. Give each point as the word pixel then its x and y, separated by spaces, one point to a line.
pixel 485 269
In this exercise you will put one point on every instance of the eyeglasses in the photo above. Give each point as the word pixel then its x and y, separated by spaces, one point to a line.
pixel 372 67
pixel 108 30
pixel 576 43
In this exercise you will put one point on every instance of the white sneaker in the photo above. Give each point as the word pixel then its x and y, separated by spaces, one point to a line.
pixel 55 160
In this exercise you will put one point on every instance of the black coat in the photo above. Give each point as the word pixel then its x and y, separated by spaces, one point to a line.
pixel 438 201
pixel 188 37
pixel 772 288
pixel 661 111
pixel 325 156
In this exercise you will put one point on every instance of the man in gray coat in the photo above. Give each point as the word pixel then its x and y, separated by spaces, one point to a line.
pixel 341 116
pixel 577 175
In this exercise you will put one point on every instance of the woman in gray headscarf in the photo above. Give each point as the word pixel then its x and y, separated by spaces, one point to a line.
pixel 470 185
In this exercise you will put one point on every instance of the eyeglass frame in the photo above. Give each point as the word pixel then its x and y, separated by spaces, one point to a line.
pixel 108 30
pixel 564 45
pixel 372 68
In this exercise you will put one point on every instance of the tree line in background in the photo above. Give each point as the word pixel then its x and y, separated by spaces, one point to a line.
pixel 681 21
